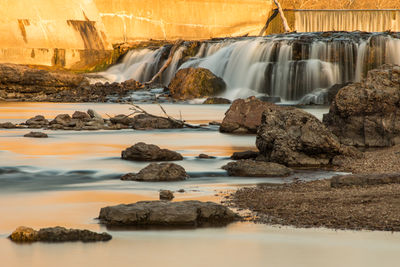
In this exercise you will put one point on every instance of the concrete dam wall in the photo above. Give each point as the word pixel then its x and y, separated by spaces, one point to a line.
pixel 78 34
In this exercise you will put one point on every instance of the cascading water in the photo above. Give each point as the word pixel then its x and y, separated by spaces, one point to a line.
pixel 296 67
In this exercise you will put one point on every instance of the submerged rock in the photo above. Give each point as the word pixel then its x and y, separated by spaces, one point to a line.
pixel 216 100
pixel 170 214
pixel 36 135
pixel 145 152
pixel 244 116
pixel 205 156
pixel 293 137
pixel 252 168
pixel 56 234
pixel 245 155
pixel 8 125
pixel 155 172
pixel 366 114
pixel 195 83
pixel 166 195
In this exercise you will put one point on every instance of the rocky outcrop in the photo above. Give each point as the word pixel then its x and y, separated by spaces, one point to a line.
pixel 145 152
pixel 216 100
pixel 19 82
pixel 169 214
pixel 252 168
pixel 364 179
pixel 8 125
pixel 155 172
pixel 293 137
pixel 244 116
pixel 148 122
pixel 367 114
pixel 36 135
pixel 56 234
pixel 195 83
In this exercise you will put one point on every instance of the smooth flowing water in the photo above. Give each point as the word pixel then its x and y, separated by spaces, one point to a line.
pixel 66 179
pixel 297 67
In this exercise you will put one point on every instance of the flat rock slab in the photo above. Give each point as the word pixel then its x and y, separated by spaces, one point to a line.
pixel 146 152
pixel 155 172
pixel 190 213
pixel 365 179
pixel 56 234
pixel 252 168
pixel 36 135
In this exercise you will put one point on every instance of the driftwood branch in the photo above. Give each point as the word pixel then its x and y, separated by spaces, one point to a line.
pixel 284 21
pixel 167 63
pixel 263 30
pixel 138 110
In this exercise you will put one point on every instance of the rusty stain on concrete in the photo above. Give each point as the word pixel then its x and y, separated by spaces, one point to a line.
pixel 89 34
pixel 22 23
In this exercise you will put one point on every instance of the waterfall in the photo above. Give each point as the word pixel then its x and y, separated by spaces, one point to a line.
pixel 297 67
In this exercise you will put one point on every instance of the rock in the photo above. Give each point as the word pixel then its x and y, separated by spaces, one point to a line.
pixel 146 122
pixel 252 168
pixel 181 191
pixel 145 152
pixel 79 115
pixel 195 83
pixel 155 172
pixel 38 121
pixel 36 135
pixel 94 115
pixel 62 119
pixel 245 155
pixel 270 99
pixel 56 234
pixel 204 156
pixel 122 119
pixel 166 195
pixel 333 90
pixel 168 214
pixel 214 123
pixel 216 100
pixel 364 180
pixel 293 137
pixel 366 114
pixel 8 125
pixel 244 116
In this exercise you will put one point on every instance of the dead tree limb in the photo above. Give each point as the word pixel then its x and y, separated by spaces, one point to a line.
pixel 167 63
pixel 284 21
pixel 263 30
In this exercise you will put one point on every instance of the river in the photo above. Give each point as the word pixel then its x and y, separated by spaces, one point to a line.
pixel 65 180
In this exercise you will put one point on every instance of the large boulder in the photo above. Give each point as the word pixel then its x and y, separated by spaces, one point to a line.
pixel 252 168
pixel 170 214
pixel 56 234
pixel 155 172
pixel 195 83
pixel 293 137
pixel 145 152
pixel 244 116
pixel 366 114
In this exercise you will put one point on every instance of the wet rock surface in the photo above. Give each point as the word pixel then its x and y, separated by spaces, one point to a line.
pixel 252 168
pixel 146 152
pixel 366 114
pixel 243 116
pixel 56 234
pixel 22 83
pixel 190 213
pixel 146 122
pixel 245 155
pixel 293 137
pixel 317 204
pixel 195 83
pixel 36 135
pixel 155 172
pixel 216 100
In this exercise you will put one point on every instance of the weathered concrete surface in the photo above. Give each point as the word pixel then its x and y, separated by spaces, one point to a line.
pixel 60 33
pixel 131 20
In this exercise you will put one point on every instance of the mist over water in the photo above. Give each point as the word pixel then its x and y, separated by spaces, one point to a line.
pixel 297 67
